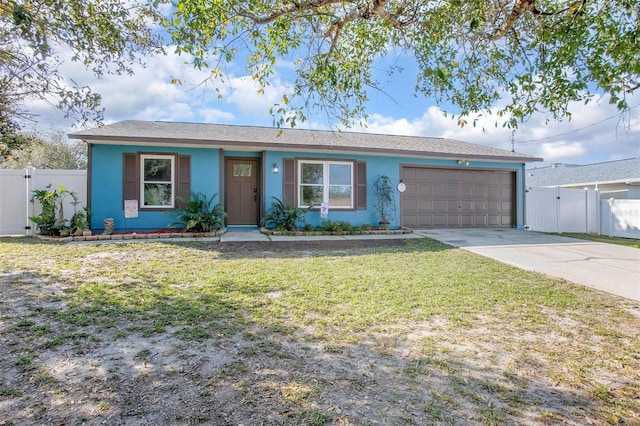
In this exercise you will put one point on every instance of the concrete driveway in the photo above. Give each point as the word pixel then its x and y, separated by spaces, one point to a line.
pixel 607 267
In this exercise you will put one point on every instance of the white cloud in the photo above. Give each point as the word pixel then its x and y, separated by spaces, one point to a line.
pixel 594 134
pixel 561 151
pixel 243 94
pixel 211 115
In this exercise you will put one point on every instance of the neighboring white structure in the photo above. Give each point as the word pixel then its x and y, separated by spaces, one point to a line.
pixel 16 194
pixel 613 179
pixel 580 211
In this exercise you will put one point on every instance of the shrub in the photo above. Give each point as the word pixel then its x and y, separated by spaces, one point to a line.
pixel 199 214
pixel 283 217
pixel 336 227
pixel 51 220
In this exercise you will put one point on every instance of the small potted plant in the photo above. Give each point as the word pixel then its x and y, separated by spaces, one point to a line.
pixel 385 204
pixel 80 222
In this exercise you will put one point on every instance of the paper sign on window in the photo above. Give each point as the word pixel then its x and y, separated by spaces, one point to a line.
pixel 130 208
pixel 324 210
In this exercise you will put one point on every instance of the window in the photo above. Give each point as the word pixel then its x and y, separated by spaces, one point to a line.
pixel 242 170
pixel 157 181
pixel 325 181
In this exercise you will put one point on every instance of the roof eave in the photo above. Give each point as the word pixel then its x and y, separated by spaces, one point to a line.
pixel 260 146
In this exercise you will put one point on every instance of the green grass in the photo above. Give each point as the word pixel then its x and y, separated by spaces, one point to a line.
pixel 629 242
pixel 199 294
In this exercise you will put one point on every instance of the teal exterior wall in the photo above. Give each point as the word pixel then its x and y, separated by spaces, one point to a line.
pixel 376 165
pixel 106 184
pixel 106 171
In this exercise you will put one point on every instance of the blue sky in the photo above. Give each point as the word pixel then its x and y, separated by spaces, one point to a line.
pixel 596 133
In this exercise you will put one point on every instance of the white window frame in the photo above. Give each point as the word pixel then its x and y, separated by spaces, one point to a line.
pixel 172 182
pixel 325 181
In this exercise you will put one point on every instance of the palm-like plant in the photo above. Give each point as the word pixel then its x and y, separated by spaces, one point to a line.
pixel 283 217
pixel 199 214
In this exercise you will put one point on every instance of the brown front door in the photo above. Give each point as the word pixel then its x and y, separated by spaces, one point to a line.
pixel 242 191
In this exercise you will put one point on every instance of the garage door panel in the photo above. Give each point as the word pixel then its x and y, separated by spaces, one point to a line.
pixel 466 176
pixel 451 190
pixel 480 191
pixel 439 190
pixel 409 174
pixel 435 175
pixel 410 221
pixel 412 190
pixel 411 205
pixel 467 191
pixel 423 174
pixel 457 197
pixel 425 206
pixel 481 206
pixel 424 190
pixel 481 220
pixel 452 175
pixel 466 206
pixel 479 176
pixel 439 206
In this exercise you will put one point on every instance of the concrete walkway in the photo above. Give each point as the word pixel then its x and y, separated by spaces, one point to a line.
pixel 610 268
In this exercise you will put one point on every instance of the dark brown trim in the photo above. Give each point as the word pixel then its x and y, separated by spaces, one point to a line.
pixel 89 173
pixel 222 182
pixel 131 178
pixel 263 179
pixel 289 181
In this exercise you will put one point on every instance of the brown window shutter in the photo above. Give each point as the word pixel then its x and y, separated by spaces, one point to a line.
pixel 289 181
pixel 361 185
pixel 183 172
pixel 130 178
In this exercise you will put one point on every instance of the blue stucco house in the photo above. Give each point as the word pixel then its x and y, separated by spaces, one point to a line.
pixel 143 167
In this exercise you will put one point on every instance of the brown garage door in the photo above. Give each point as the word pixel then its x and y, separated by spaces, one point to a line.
pixel 446 198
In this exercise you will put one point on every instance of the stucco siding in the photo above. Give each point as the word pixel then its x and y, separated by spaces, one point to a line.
pixel 106 184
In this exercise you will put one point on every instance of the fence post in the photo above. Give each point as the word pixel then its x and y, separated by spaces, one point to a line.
pixel 28 177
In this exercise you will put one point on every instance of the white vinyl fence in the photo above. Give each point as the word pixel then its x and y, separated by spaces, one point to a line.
pixel 562 210
pixel 580 211
pixel 16 195
pixel 620 218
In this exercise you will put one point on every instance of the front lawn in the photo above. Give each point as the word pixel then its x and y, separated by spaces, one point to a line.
pixel 629 242
pixel 181 333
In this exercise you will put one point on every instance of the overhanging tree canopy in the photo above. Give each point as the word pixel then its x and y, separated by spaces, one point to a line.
pixel 105 36
pixel 537 54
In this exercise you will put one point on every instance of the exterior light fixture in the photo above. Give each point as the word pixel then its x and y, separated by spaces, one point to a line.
pixel 463 162
pixel 275 168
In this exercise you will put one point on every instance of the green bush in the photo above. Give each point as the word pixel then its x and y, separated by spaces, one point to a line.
pixel 199 214
pixel 336 227
pixel 51 220
pixel 283 217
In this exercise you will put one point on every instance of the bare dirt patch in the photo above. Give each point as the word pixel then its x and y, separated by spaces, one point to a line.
pixel 103 364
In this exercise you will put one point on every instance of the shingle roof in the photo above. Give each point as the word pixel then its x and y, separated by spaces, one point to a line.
pixel 260 138
pixel 565 174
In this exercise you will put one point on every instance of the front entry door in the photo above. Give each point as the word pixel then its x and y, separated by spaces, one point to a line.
pixel 242 191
